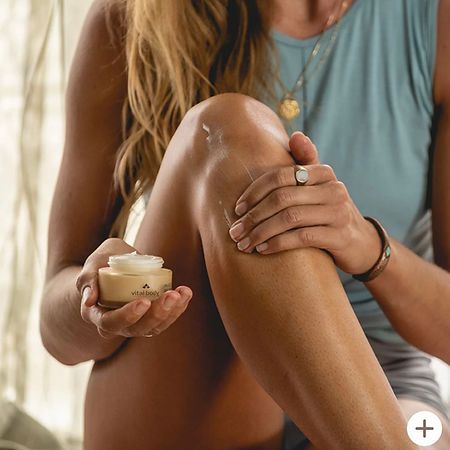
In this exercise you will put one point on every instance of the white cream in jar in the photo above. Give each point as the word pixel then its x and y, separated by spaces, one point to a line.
pixel 131 276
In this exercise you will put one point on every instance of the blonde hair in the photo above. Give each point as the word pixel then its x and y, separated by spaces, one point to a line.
pixel 180 52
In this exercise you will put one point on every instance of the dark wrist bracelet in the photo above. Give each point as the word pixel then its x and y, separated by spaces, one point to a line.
pixel 383 259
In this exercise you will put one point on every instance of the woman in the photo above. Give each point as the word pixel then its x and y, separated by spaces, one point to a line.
pixel 270 330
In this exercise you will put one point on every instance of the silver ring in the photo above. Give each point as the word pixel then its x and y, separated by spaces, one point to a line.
pixel 149 335
pixel 301 175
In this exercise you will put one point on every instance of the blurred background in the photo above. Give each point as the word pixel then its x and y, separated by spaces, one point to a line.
pixel 36 45
pixel 41 401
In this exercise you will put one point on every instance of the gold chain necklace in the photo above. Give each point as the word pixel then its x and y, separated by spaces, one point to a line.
pixel 289 107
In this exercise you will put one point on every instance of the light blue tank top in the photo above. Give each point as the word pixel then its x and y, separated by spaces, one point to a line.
pixel 369 109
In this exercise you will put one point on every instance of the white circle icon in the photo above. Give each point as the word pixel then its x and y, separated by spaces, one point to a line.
pixel 424 428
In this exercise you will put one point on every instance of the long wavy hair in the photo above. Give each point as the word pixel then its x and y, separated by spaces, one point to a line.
pixel 178 53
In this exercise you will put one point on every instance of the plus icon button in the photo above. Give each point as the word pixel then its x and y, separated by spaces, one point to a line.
pixel 424 428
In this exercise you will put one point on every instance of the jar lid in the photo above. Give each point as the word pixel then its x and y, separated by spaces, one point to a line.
pixel 133 262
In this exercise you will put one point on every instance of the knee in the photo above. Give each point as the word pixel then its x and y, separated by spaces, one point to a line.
pixel 232 121
pixel 232 112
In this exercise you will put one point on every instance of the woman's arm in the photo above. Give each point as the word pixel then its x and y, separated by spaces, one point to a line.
pixel 85 204
pixel 73 327
pixel 415 294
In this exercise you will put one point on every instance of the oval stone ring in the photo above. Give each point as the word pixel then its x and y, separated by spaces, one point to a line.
pixel 301 175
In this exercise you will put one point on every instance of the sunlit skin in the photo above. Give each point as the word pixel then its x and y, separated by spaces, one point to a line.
pixel 227 358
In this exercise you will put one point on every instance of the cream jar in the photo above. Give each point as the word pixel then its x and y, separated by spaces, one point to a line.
pixel 131 276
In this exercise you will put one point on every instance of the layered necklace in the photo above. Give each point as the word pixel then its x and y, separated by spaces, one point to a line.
pixel 289 108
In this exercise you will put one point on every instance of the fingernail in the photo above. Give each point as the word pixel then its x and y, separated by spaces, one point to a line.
pixel 236 230
pixel 242 245
pixel 184 292
pixel 169 302
pixel 300 133
pixel 187 296
pixel 86 294
pixel 262 247
pixel 241 208
pixel 142 307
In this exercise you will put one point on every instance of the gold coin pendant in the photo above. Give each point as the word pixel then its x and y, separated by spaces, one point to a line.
pixel 289 108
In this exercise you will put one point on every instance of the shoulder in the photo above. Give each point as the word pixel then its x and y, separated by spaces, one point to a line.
pixel 442 68
pixel 108 20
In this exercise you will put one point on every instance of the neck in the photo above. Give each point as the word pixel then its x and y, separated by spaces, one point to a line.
pixel 304 18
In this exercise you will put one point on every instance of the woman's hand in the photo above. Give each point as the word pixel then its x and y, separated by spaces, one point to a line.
pixel 278 215
pixel 141 317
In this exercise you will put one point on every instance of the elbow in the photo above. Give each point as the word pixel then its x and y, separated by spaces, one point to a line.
pixel 66 345
pixel 67 361
pixel 67 358
pixel 72 356
pixel 61 357
pixel 53 340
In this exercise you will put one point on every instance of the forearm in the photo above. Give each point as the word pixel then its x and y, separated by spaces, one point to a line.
pixel 65 335
pixel 415 296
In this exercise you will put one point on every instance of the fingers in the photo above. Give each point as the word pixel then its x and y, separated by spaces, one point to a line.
pixel 163 313
pixel 117 320
pixel 90 295
pixel 113 321
pixel 274 203
pixel 125 321
pixel 287 219
pixel 324 237
pixel 87 285
pixel 264 185
pixel 140 317
pixel 303 149
pixel 279 182
pixel 319 174
pixel 282 199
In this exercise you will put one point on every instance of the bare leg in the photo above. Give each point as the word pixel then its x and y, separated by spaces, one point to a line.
pixel 287 315
pixel 410 407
